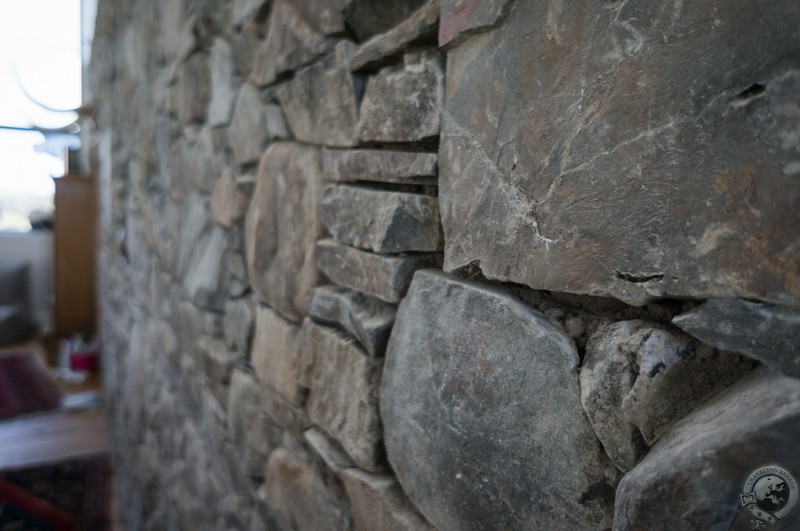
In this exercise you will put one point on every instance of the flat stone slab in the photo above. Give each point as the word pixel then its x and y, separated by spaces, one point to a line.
pixel 701 467
pixel 228 204
pixel 282 226
pixel 343 392
pixel 647 162
pixel 384 277
pixel 402 167
pixel 381 221
pixel 765 332
pixel 369 319
pixel 276 353
pixel 482 415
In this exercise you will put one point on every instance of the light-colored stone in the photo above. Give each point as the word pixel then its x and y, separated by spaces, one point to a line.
pixel 701 466
pixel 378 502
pixel 228 203
pixel 369 319
pixel 482 415
pixel 765 332
pixel 402 167
pixel 245 10
pixel 299 496
pixel 328 450
pixel 190 94
pixel 282 227
pixel 320 102
pixel 222 91
pixel 647 162
pixel 248 130
pixel 275 355
pixel 404 104
pixel 381 221
pixel 420 26
pixel 384 277
pixel 343 392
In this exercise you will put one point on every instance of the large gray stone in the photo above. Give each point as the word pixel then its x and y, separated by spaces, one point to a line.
pixel 381 221
pixel 418 27
pixel 247 133
pixel 369 319
pixel 378 502
pixel 402 167
pixel 282 227
pixel 384 277
pixel 370 17
pixel 276 355
pixel 292 42
pixel 222 91
pixel 482 414
pixel 404 103
pixel 694 476
pixel 648 161
pixel 343 385
pixel 297 492
pixel 320 102
pixel 228 204
pixel 768 333
pixel 461 18
pixel 253 432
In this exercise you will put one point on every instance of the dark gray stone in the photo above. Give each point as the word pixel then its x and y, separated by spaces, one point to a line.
pixel 650 161
pixel 404 103
pixel 253 432
pixel 381 221
pixel 384 277
pixel 765 332
pixel 402 167
pixel 289 417
pixel 282 227
pixel 694 476
pixel 467 17
pixel 239 319
pixel 420 26
pixel 320 101
pixel 482 414
pixel 300 497
pixel 218 362
pixel 370 17
pixel 369 319
pixel 328 450
pixel 343 385
pixel 378 502
pixel 292 42
pixel 276 354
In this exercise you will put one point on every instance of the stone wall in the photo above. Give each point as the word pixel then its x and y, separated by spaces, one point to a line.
pixel 450 264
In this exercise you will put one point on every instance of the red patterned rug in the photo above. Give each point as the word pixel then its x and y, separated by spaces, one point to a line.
pixel 25 387
pixel 73 495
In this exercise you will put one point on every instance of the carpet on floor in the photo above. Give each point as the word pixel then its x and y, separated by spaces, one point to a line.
pixel 25 386
pixel 73 495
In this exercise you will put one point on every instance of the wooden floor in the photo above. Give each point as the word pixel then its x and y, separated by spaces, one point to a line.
pixel 56 435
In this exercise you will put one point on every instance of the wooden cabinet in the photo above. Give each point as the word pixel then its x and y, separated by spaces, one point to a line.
pixel 75 253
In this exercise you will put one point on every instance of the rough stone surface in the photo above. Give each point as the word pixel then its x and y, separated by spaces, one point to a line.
pixel 206 158
pixel 292 42
pixel 248 130
pixel 765 332
pixel 648 376
pixel 299 495
pixel 320 101
pixel 282 226
pixel 343 385
pixel 378 502
pixel 228 204
pixel 702 464
pixel 289 417
pixel 218 363
pixel 239 323
pixel 404 103
pixel 402 167
pixel 369 319
pixel 482 414
pixel 190 94
pixel 467 17
pixel 381 221
pixel 417 27
pixel 253 432
pixel 276 350
pixel 369 17
pixel 328 450
pixel 222 91
pixel 384 277
pixel 244 10
pixel 649 161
